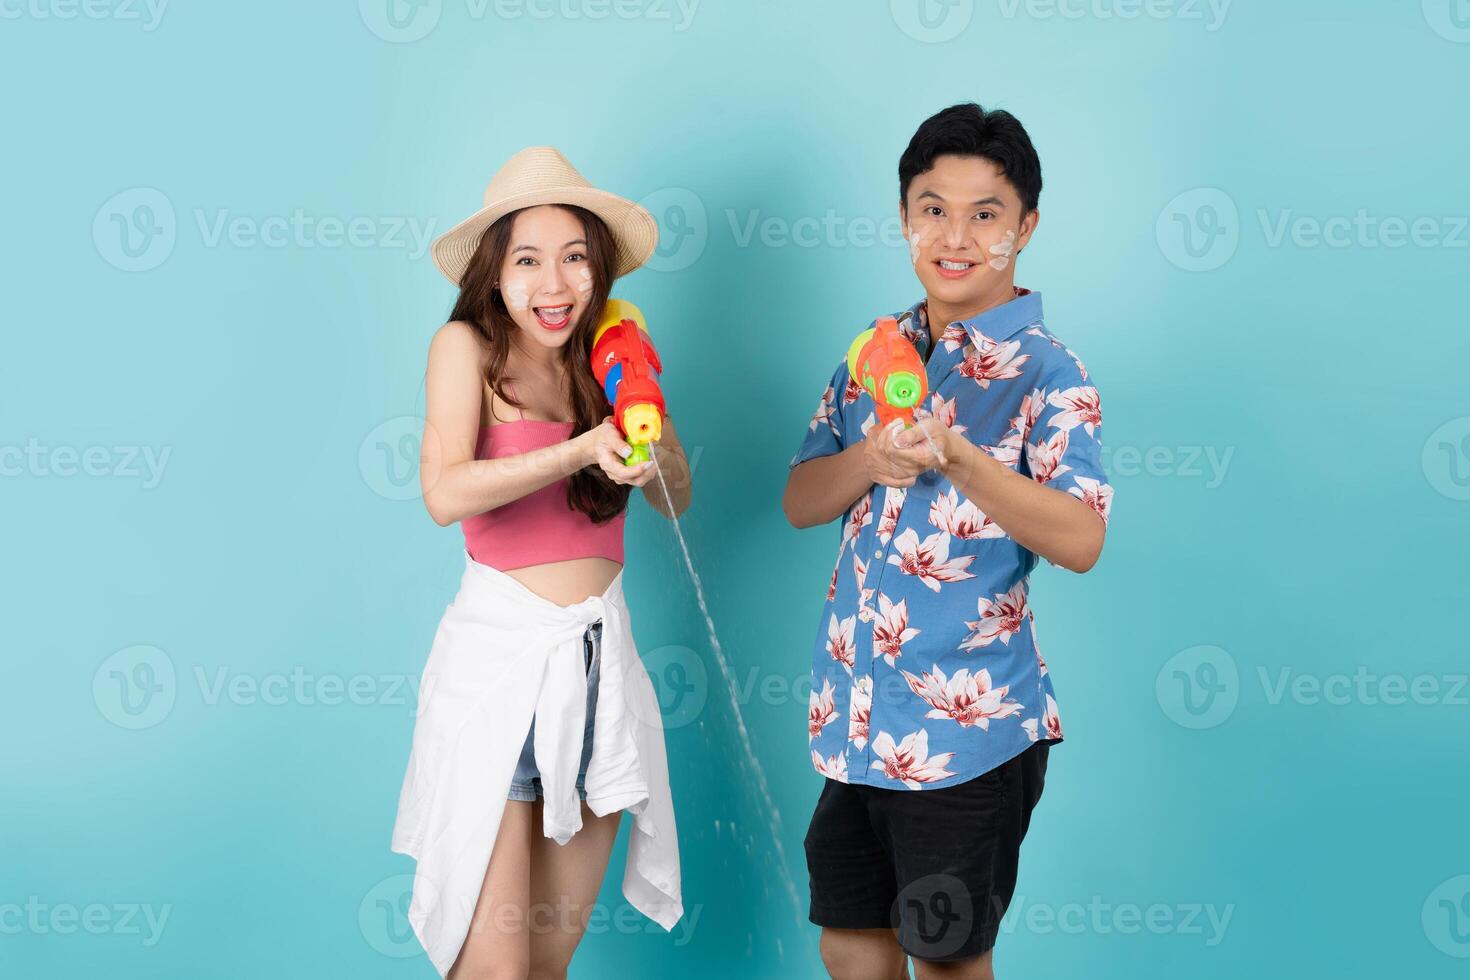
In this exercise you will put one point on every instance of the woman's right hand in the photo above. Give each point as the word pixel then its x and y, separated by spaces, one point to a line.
pixel 608 448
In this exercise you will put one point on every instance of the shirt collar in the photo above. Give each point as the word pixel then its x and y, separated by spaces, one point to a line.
pixel 996 323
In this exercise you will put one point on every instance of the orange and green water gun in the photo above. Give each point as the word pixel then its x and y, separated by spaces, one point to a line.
pixel 626 364
pixel 889 368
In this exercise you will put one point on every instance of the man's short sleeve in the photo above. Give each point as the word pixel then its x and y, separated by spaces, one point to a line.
pixel 824 435
pixel 1064 444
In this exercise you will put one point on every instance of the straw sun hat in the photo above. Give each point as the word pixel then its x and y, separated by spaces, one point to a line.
pixel 541 175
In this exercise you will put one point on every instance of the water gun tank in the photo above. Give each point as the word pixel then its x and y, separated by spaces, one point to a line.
pixel 626 364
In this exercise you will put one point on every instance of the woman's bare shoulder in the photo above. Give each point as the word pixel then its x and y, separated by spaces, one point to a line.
pixel 457 337
pixel 457 347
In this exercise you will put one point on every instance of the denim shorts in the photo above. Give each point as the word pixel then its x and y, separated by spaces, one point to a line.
pixel 526 783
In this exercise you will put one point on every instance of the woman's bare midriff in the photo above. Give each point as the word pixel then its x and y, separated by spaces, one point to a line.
pixel 567 583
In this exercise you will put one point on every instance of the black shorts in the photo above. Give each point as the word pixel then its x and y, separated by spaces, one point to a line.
pixel 938 865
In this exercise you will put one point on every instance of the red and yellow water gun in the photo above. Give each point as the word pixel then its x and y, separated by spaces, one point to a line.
pixel 626 364
pixel 889 367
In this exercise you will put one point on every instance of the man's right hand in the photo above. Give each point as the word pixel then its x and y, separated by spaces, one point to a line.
pixel 888 464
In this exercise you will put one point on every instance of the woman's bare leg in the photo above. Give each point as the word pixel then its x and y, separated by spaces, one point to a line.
pixel 565 880
pixel 498 946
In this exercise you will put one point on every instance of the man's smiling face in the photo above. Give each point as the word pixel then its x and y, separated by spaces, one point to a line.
pixel 965 225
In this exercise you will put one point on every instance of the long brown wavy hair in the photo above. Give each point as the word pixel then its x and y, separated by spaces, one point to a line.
pixel 481 305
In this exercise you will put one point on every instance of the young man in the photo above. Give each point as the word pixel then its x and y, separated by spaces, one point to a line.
pixel 931 709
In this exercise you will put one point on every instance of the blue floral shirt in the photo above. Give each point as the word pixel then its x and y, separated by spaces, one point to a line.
pixel 925 671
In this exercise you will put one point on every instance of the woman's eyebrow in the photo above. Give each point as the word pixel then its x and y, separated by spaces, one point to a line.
pixel 533 248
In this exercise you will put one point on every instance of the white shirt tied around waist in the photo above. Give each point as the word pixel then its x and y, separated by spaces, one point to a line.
pixel 501 654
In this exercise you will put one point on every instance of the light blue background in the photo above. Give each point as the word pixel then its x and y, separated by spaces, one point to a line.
pixel 1330 381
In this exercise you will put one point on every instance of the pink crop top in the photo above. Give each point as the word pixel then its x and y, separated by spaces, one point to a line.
pixel 540 526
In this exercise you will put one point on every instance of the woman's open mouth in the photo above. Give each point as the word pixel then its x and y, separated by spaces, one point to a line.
pixel 553 317
pixel 954 268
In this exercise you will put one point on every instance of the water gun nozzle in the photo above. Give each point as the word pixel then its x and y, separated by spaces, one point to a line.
pixel 883 361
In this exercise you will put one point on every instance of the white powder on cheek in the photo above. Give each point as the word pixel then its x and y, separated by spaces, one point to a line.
pixel 584 284
pixel 913 245
pixel 1003 252
pixel 517 294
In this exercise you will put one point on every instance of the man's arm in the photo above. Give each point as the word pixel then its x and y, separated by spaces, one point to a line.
pixel 1050 522
pixel 822 489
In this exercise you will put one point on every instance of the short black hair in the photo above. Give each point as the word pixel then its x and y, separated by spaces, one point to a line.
pixel 967 130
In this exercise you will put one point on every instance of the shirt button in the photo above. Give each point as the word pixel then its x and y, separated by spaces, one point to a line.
pixel 878 553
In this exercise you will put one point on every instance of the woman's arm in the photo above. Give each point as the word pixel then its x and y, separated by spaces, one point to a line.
pixel 674 465
pixel 455 484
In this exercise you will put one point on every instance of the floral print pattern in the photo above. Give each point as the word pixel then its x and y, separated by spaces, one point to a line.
pixel 926 670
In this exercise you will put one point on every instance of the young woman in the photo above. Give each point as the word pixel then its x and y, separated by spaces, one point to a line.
pixel 533 674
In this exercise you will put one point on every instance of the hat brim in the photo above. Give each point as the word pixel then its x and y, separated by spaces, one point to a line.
pixel 633 229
